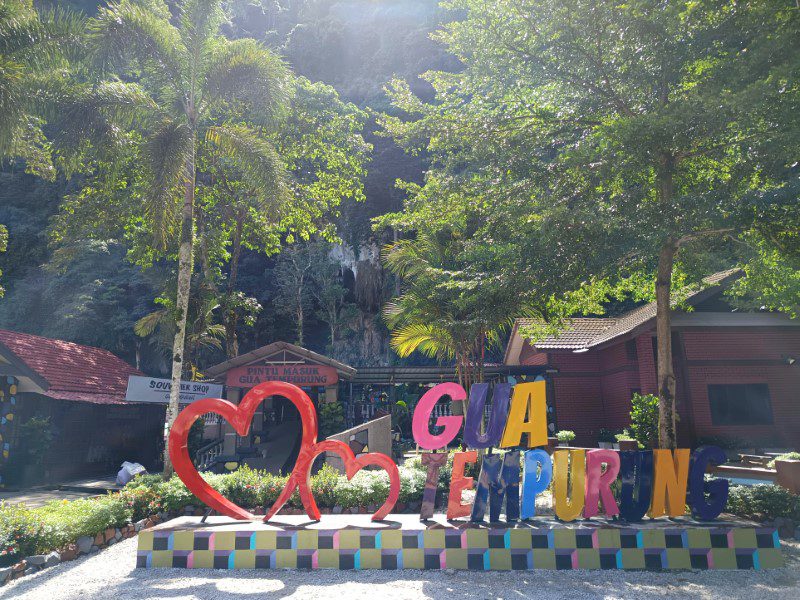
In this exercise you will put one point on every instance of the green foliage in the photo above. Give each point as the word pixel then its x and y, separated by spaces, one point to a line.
pixel 763 502
pixel 644 419
pixel 785 456
pixel 67 521
pixel 772 279
pixel 331 419
pixel 35 437
pixel 607 435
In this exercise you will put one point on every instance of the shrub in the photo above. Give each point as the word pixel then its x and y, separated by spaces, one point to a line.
pixel 331 419
pixel 141 501
pixel 763 502
pixel 787 456
pixel 565 436
pixel 67 521
pixel 324 485
pixel 21 533
pixel 242 487
pixel 644 419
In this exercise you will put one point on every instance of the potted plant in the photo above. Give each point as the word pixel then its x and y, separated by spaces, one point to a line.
pixel 565 436
pixel 788 471
pixel 626 442
pixel 606 438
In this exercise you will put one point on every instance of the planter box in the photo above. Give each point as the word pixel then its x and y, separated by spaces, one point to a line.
pixel 625 445
pixel 788 474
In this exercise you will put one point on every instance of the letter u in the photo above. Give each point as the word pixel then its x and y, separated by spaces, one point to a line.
pixel 478 393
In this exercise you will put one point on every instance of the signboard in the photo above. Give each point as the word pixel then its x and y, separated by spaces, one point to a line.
pixel 300 375
pixel 150 389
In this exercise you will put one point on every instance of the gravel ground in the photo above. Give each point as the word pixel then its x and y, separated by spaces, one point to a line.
pixel 111 574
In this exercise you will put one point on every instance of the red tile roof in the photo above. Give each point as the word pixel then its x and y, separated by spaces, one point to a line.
pixel 591 332
pixel 73 371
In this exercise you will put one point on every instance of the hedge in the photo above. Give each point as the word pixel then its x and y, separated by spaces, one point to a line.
pixel 24 531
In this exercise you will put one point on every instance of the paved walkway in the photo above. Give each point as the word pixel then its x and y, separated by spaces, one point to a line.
pixel 73 490
pixel 110 574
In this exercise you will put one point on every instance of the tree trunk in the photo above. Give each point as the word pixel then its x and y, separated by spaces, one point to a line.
pixel 231 316
pixel 182 303
pixel 667 415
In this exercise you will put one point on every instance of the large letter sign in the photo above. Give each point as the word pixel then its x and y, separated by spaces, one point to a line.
pixel 653 482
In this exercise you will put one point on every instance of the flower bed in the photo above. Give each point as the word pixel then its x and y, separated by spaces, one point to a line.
pixel 63 530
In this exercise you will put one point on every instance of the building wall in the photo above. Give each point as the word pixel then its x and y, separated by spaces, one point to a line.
pixel 578 396
pixel 592 390
pixel 740 357
pixel 92 439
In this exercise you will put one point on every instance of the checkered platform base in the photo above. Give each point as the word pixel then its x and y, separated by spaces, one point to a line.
pixel 446 547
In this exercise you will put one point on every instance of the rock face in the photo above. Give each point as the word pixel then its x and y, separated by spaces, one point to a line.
pixel 52 559
pixel 5 574
pixel 37 560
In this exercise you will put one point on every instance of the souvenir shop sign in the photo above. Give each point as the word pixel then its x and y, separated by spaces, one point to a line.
pixel 151 389
pixel 656 483
pixel 300 375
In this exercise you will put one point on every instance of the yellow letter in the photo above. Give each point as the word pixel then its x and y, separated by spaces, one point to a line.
pixel 569 509
pixel 669 482
pixel 530 398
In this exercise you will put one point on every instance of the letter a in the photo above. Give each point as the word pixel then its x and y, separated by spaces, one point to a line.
pixel 530 398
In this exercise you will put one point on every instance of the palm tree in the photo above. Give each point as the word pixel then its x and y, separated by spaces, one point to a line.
pixel 449 308
pixel 202 333
pixel 184 87
pixel 33 52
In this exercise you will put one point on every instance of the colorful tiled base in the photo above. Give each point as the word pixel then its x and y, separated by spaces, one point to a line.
pixel 552 546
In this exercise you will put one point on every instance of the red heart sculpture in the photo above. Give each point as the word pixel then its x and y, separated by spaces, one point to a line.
pixel 240 417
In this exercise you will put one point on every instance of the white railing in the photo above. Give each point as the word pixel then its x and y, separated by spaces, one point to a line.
pixel 207 455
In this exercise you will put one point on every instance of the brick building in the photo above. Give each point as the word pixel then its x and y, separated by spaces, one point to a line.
pixel 738 374
pixel 76 394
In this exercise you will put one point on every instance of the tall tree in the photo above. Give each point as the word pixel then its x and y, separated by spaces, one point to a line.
pixel 179 80
pixel 621 134
pixel 324 155
pixel 32 49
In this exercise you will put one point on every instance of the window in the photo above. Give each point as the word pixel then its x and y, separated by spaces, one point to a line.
pixel 743 404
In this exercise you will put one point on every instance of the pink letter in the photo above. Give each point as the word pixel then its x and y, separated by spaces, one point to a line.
pixel 598 484
pixel 422 414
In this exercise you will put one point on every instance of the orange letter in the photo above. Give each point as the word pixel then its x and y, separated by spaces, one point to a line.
pixel 569 509
pixel 669 484
pixel 459 483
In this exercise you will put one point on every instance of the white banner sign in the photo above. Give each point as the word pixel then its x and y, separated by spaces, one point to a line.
pixel 149 389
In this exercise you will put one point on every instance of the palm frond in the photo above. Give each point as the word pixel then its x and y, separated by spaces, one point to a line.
pixel 200 20
pixel 150 322
pixel 94 115
pixel 261 168
pixel 168 150
pixel 244 72
pixel 429 339
pixel 126 30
